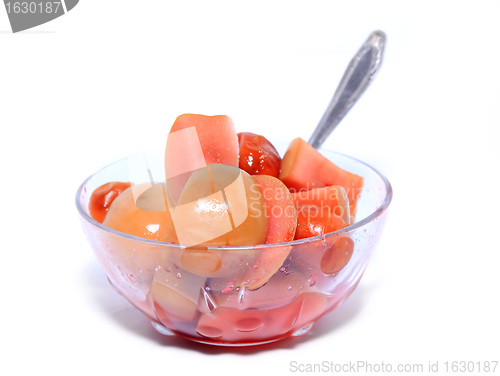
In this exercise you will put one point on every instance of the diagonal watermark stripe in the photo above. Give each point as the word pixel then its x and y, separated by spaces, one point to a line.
pixel 27 14
pixel 70 4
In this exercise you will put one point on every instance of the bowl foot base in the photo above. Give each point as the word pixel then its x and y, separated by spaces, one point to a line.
pixel 167 332
pixel 303 331
pixel 162 329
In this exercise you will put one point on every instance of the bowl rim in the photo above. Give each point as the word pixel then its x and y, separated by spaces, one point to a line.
pixel 369 218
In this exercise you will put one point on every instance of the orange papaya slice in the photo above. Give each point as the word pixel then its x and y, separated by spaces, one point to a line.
pixel 332 199
pixel 303 168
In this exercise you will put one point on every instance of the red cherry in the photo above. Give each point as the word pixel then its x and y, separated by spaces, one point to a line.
pixel 102 198
pixel 257 155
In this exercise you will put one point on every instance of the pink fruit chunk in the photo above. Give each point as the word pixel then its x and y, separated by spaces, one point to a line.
pixel 195 141
pixel 175 294
pixel 217 136
pixel 282 223
pixel 328 257
pixel 141 210
pixel 220 205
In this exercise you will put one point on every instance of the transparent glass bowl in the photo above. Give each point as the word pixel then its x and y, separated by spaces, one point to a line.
pixel 211 304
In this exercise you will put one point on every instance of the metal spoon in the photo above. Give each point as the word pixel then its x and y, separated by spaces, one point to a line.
pixel 358 75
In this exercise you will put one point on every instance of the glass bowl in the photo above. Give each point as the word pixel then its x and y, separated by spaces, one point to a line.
pixel 209 302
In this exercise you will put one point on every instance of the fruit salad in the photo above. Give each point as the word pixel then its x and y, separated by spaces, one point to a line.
pixel 224 196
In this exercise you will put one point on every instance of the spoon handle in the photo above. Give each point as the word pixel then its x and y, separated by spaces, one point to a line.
pixel 358 75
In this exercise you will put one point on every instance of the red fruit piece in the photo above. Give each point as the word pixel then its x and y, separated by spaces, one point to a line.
pixel 304 167
pixel 337 256
pixel 257 155
pixel 313 220
pixel 332 198
pixel 102 198
pixel 321 210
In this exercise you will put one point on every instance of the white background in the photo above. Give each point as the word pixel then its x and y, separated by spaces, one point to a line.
pixel 109 78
